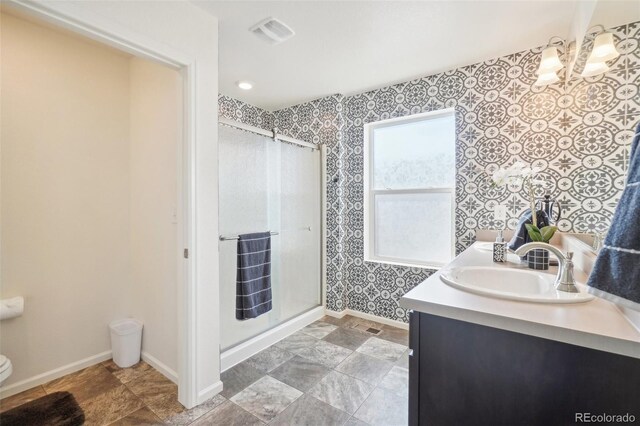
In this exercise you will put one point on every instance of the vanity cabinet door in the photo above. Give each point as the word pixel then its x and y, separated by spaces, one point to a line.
pixel 469 374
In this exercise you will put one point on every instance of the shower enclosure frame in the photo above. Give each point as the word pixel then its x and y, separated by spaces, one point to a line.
pixel 250 347
pixel 195 350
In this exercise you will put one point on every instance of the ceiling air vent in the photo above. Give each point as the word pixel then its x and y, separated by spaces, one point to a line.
pixel 272 30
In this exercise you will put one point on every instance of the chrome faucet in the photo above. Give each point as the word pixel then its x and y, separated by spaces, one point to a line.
pixel 564 279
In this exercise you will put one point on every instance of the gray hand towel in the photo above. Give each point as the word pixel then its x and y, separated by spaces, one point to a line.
pixel 253 278
pixel 616 273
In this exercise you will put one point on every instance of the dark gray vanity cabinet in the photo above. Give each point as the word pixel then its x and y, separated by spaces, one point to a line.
pixel 463 373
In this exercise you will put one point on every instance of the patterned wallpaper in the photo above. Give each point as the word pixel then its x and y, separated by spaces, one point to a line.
pixel 579 135
pixel 234 109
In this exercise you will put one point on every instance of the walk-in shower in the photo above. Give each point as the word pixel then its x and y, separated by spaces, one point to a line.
pixel 267 184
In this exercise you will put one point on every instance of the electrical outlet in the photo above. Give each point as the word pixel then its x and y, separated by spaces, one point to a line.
pixel 500 212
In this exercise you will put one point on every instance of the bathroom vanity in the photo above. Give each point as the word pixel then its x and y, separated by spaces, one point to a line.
pixel 481 360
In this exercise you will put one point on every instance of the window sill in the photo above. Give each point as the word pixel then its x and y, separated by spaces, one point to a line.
pixel 405 264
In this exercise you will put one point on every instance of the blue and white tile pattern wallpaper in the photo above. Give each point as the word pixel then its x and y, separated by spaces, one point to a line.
pixel 579 134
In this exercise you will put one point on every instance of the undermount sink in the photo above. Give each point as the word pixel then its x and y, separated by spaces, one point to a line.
pixel 512 284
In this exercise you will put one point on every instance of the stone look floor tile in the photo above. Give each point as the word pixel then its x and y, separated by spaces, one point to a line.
pixel 319 329
pixel 363 328
pixel 308 411
pixel 239 377
pixel 84 384
pixel 355 422
pixel 384 408
pixel 403 361
pixel 21 398
pixel 158 393
pixel 269 359
pixel 110 406
pixel 189 416
pixel 383 349
pixel 70 380
pixel 142 417
pixel 363 323
pixel 394 334
pixel 350 321
pixel 126 375
pixel 296 342
pixel 325 353
pixel 347 338
pixel 335 321
pixel 365 368
pixel 300 373
pixel 396 380
pixel 341 391
pixel 140 395
pixel 228 414
pixel 266 398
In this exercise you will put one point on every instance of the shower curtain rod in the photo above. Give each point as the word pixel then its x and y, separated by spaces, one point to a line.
pixel 271 134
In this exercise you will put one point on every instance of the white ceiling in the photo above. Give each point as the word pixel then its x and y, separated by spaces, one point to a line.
pixel 611 13
pixel 352 46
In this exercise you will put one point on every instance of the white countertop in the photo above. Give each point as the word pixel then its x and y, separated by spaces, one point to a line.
pixel 597 324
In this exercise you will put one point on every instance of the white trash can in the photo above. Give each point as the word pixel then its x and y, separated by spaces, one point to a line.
pixel 126 341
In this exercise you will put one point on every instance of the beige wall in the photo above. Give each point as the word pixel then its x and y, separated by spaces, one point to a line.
pixel 178 30
pixel 65 195
pixel 89 187
pixel 155 112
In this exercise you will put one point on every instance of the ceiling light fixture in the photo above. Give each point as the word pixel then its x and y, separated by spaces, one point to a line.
pixel 550 64
pixel 244 85
pixel 604 49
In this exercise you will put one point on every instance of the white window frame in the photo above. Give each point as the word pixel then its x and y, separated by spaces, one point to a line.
pixel 370 192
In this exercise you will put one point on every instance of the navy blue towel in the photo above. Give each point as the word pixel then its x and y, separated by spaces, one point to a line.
pixel 521 235
pixel 616 273
pixel 253 279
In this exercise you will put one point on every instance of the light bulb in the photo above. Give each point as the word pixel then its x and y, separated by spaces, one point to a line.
pixel 604 49
pixel 594 68
pixel 550 62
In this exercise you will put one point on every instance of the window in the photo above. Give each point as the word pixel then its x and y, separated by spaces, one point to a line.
pixel 410 189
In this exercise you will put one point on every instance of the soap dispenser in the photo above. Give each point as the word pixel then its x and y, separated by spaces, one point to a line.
pixel 500 249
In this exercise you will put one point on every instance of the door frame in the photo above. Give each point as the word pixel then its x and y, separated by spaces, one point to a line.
pixel 113 34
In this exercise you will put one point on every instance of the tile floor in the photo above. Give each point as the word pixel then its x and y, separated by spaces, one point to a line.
pixel 109 395
pixel 333 372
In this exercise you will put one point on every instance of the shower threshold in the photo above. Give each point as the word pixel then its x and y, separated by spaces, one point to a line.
pixel 242 351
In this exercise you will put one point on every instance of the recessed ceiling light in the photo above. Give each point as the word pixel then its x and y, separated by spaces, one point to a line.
pixel 244 85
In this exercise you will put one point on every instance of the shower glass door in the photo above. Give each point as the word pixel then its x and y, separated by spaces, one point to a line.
pixel 269 186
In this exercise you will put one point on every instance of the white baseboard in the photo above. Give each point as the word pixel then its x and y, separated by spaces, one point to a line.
pixel 161 367
pixel 382 320
pixel 247 349
pixel 335 314
pixel 209 392
pixel 56 373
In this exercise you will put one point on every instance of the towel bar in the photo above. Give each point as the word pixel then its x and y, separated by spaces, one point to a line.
pixel 235 237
